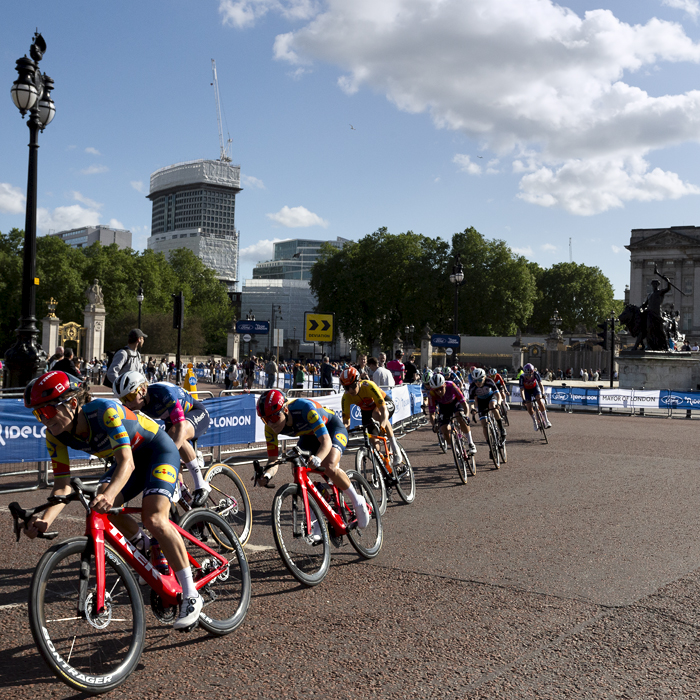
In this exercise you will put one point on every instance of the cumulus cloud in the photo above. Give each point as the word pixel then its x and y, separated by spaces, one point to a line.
pixel 137 185
pixel 92 151
pixel 691 7
pixel 261 250
pixel 115 223
pixel 65 218
pixel 548 248
pixel 465 164
pixel 526 79
pixel 92 204
pixel 253 182
pixel 95 170
pixel 12 199
pixel 527 251
pixel 297 217
pixel 616 249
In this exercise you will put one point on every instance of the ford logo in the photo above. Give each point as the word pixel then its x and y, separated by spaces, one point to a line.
pixel 355 412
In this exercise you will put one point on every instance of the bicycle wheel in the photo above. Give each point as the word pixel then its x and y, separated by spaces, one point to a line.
pixel 406 481
pixel 89 651
pixel 504 416
pixel 229 498
pixel 503 452
pixel 442 442
pixel 227 597
pixel 471 464
pixel 493 445
pixel 368 541
pixel 543 430
pixel 307 558
pixel 366 464
pixel 458 453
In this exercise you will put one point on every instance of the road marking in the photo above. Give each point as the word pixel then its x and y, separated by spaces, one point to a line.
pixel 12 605
pixel 257 548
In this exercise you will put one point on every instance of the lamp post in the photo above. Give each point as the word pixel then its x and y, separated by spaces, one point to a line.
pixel 457 278
pixel 140 298
pixel 31 92
pixel 408 332
pixel 250 316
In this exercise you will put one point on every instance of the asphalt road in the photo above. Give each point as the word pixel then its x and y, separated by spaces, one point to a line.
pixel 572 572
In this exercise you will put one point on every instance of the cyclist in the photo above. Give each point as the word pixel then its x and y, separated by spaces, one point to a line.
pixel 451 375
pixel 447 397
pixel 374 406
pixel 502 388
pixel 484 392
pixel 319 430
pixel 185 419
pixel 531 388
pixel 145 461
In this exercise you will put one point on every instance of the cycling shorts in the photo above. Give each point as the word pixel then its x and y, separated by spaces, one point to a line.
pixel 157 465
pixel 336 429
pixel 447 410
pixel 530 394
pixel 483 405
pixel 198 416
pixel 367 419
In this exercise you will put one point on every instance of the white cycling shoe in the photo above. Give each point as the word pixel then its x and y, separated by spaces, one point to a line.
pixel 190 608
pixel 362 514
pixel 548 425
pixel 471 449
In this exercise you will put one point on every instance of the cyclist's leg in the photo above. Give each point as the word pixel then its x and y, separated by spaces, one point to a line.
pixel 543 409
pixel 493 407
pixel 464 424
pixel 382 415
pixel 196 424
pixel 445 412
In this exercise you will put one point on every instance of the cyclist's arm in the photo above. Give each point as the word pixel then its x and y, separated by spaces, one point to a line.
pixel 42 522
pixel 125 467
pixel 178 432
pixel 345 405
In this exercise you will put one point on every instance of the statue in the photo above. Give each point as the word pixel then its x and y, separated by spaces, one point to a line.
pixel 94 294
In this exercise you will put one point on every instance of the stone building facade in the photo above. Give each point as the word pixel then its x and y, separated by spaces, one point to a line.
pixel 676 253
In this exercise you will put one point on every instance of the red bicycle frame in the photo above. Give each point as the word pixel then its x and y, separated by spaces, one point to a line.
pixel 99 530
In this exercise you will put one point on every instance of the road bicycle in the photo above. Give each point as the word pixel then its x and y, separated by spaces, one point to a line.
pixel 86 611
pixel 497 447
pixel 539 419
pixel 303 511
pixel 504 408
pixel 466 463
pixel 377 458
pixel 442 442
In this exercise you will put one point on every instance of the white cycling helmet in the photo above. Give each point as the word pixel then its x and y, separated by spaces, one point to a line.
pixel 128 383
pixel 478 374
pixel 437 380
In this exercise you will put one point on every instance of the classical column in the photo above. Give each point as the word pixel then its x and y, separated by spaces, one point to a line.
pixel 94 323
pixel 426 349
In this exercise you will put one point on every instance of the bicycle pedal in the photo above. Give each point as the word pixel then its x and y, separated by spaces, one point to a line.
pixel 190 628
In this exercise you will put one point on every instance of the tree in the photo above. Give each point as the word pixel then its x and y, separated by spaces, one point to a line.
pixel 581 294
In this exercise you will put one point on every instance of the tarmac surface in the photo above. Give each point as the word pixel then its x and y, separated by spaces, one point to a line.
pixel 571 572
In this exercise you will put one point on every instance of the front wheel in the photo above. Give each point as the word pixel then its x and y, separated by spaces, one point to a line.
pixel 368 541
pixel 227 597
pixel 458 452
pixel 366 464
pixel 541 425
pixel 406 480
pixel 493 445
pixel 229 499
pixel 304 547
pixel 91 650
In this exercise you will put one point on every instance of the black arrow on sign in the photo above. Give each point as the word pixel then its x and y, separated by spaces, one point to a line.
pixel 326 325
pixel 313 325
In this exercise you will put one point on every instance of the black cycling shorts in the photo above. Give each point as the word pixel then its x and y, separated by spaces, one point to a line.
pixel 368 421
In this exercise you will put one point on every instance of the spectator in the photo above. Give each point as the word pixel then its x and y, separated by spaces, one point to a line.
pixel 361 367
pixel 58 355
pixel 271 372
pixel 381 376
pixel 584 374
pixel 67 365
pixel 411 370
pixel 128 359
pixel 299 376
pixel 694 347
pixel 326 374
pixel 397 368
pixel 685 347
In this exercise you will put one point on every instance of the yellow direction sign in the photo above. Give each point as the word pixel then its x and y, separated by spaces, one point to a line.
pixel 318 328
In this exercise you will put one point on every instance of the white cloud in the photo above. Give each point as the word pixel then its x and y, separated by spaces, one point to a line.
pixel 64 218
pixel 244 13
pixel 115 223
pixel 691 7
pixel 137 185
pixel 616 249
pixel 527 252
pixel 85 200
pixel 93 151
pixel 465 164
pixel 95 170
pixel 262 250
pixel 12 199
pixel 528 79
pixel 297 217
pixel 253 182
pixel 548 248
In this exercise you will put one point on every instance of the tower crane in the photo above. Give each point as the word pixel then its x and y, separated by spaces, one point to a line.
pixel 224 150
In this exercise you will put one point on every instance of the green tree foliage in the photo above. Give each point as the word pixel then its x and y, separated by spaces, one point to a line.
pixel 65 273
pixel 582 295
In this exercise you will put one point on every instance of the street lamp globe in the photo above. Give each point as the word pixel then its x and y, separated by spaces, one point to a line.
pixel 139 296
pixel 24 92
pixel 47 108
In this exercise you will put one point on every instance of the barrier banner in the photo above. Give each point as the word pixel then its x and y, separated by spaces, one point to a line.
pixel 232 420
pixel 22 437
pixel 416 393
pixel 402 403
pixel 679 399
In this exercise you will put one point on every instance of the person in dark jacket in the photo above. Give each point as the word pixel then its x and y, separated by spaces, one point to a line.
pixel 67 364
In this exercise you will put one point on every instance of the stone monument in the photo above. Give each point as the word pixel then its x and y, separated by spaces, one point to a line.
pixel 426 349
pixel 49 329
pixel 94 322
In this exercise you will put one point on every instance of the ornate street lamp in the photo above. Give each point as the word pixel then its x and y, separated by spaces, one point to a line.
pixel 140 297
pixel 457 278
pixel 31 92
pixel 408 332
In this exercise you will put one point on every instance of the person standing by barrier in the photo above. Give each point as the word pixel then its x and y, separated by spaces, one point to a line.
pixel 270 373
pixel 397 368
pixel 381 376
pixel 128 359
pixel 326 378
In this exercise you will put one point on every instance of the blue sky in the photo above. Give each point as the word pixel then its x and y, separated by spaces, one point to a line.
pixel 532 122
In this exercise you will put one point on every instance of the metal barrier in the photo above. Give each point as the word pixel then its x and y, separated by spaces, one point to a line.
pixel 327 391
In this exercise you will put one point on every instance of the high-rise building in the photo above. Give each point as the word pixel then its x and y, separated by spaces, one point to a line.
pixel 293 259
pixel 87 235
pixel 194 207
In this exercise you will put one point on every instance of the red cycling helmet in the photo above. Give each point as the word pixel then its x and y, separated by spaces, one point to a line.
pixel 50 387
pixel 349 376
pixel 270 404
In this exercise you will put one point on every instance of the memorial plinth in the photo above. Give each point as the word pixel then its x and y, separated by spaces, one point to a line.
pixel 654 369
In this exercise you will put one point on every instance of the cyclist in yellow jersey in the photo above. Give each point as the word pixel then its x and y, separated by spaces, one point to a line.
pixel 374 406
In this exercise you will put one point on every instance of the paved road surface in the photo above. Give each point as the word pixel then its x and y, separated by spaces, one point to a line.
pixel 573 572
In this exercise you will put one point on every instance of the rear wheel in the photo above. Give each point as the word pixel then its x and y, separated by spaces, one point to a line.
pixel 458 452
pixel 406 480
pixel 92 651
pixel 366 541
pixel 229 499
pixel 304 547
pixel 227 597
pixel 366 462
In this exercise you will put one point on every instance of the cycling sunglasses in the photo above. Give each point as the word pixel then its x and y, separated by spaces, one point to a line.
pixel 50 410
pixel 350 386
pixel 274 418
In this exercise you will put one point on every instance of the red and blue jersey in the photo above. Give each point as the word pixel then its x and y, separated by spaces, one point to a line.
pixel 308 418
pixel 453 394
pixel 168 402
pixel 530 381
